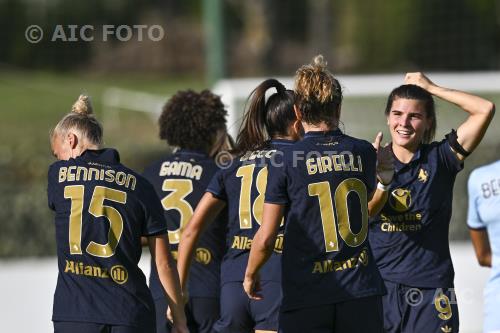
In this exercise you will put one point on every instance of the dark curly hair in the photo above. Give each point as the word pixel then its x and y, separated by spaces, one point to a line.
pixel 192 120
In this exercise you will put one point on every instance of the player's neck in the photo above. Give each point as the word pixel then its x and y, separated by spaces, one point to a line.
pixel 320 127
pixel 404 155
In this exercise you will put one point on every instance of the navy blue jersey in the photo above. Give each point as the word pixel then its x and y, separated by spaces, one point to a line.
pixel 324 183
pixel 180 180
pixel 409 237
pixel 243 186
pixel 102 210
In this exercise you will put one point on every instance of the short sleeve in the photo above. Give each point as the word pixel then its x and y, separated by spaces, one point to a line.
pixel 448 157
pixel 276 190
pixel 473 218
pixel 217 186
pixel 154 220
pixel 51 186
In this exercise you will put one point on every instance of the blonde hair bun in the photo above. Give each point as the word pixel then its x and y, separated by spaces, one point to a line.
pixel 319 62
pixel 82 105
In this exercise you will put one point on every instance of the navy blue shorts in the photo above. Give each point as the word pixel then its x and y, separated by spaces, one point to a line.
pixel 409 309
pixel 361 315
pixel 201 314
pixel 239 314
pixel 83 327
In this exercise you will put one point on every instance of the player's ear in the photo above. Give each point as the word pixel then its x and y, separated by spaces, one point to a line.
pixel 298 130
pixel 298 115
pixel 72 140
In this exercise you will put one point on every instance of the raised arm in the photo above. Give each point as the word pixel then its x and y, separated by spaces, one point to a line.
pixel 206 211
pixel 167 272
pixel 480 110
pixel 262 247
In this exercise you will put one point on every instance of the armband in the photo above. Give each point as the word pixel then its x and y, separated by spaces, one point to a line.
pixel 453 141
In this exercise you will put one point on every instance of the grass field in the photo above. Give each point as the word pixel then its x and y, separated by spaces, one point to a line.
pixel 33 102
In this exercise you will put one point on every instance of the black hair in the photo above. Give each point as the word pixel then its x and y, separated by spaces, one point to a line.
pixel 264 120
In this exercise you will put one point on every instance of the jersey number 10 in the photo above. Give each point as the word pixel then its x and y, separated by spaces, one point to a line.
pixel 322 191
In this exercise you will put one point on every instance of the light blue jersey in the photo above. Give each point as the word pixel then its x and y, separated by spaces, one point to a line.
pixel 484 213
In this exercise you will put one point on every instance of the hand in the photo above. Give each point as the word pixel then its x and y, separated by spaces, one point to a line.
pixel 385 160
pixel 419 79
pixel 185 299
pixel 252 287
pixel 179 324
pixel 180 328
pixel 170 316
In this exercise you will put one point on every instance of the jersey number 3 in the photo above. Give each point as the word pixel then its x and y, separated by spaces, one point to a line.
pixel 180 189
pixel 97 208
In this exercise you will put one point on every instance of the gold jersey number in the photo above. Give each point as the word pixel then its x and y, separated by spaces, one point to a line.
pixel 176 199
pixel 97 208
pixel 328 221
pixel 246 209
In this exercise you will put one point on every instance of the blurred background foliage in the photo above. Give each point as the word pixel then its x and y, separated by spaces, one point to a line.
pixel 262 36
pixel 39 82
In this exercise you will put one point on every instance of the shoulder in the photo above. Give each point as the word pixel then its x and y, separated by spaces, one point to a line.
pixel 492 169
pixel 359 145
pixel 362 143
pixel 56 166
pixel 142 181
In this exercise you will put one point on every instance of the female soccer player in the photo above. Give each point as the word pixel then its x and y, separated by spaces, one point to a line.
pixel 484 224
pixel 102 210
pixel 409 236
pixel 241 188
pixel 195 124
pixel 330 281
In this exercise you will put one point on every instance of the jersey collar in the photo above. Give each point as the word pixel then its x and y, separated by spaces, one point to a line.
pixel 400 165
pixel 282 142
pixel 318 134
pixel 106 155
pixel 184 151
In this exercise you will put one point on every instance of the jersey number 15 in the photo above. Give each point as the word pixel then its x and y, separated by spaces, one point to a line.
pixel 97 208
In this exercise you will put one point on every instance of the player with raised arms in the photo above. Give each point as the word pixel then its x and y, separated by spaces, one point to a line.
pixel 195 124
pixel 268 128
pixel 409 236
pixel 330 280
pixel 102 209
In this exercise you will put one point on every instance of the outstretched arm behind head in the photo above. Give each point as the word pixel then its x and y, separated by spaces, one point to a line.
pixel 480 110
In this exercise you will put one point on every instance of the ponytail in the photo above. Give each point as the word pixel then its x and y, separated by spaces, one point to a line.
pixel 265 120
